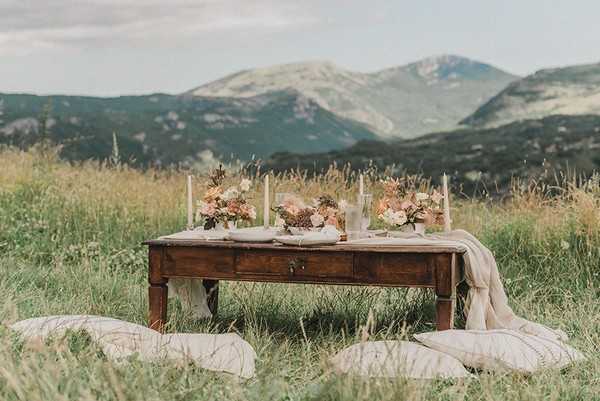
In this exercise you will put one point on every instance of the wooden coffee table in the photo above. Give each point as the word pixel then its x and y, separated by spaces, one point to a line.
pixel 436 267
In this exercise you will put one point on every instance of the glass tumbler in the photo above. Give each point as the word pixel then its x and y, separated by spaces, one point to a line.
pixel 353 222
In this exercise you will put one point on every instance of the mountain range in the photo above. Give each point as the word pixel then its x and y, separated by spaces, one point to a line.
pixel 572 90
pixel 317 111
pixel 165 129
pixel 481 160
pixel 401 102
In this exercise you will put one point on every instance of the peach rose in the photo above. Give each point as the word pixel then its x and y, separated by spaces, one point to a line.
pixel 212 193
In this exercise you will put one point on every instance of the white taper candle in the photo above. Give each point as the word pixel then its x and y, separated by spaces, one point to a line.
pixel 447 225
pixel 190 212
pixel 267 203
pixel 361 185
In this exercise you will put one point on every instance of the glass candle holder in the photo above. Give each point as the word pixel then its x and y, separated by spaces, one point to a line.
pixel 365 202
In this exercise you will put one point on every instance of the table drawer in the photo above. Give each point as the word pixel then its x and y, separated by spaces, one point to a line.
pixel 407 269
pixel 192 262
pixel 295 265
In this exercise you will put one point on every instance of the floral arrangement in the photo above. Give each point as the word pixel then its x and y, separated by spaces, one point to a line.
pixel 401 205
pixel 223 206
pixel 293 212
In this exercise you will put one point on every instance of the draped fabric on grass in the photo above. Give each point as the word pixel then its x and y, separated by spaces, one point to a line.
pixel 120 340
pixel 192 295
pixel 490 322
pixel 487 304
pixel 190 292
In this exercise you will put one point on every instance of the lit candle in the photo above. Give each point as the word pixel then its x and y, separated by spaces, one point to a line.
pixel 190 213
pixel 447 226
pixel 266 206
pixel 361 185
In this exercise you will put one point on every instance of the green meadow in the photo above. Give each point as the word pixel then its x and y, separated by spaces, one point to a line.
pixel 70 244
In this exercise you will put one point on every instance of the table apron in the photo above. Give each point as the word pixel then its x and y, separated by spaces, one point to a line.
pixel 305 266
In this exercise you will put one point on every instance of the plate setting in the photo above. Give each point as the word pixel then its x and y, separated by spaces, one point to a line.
pixel 253 234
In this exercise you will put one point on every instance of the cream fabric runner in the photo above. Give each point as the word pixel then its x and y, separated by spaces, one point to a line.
pixel 487 304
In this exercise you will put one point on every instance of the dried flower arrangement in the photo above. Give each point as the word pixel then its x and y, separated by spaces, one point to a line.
pixel 293 212
pixel 402 204
pixel 223 206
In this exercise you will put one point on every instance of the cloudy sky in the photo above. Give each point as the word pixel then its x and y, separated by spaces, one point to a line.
pixel 110 47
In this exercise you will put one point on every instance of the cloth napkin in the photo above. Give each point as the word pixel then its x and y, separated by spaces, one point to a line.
pixel 198 234
pixel 327 234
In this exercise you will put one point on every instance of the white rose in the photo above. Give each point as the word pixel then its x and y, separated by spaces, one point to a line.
pixel 253 213
pixel 316 220
pixel 394 218
pixel 399 218
pixel 279 222
pixel 230 193
pixel 343 204
pixel 421 196
pixel 387 216
pixel 245 185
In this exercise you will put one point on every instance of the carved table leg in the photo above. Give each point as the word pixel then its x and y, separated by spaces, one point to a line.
pixel 445 271
pixel 157 291
pixel 212 295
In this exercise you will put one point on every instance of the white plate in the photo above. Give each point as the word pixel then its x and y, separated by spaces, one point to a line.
pixel 302 231
pixel 305 240
pixel 253 234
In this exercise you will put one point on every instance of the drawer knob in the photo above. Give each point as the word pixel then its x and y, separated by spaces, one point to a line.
pixel 296 263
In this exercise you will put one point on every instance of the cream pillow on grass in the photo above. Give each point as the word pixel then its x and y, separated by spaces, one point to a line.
pixel 119 340
pixel 397 358
pixel 501 350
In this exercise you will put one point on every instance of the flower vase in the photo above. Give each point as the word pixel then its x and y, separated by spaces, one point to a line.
pixel 414 228
pixel 226 225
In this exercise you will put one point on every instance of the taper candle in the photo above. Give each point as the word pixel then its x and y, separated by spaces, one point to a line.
pixel 447 226
pixel 361 185
pixel 267 203
pixel 190 212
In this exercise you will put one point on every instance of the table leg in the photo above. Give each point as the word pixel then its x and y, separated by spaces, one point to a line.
pixel 212 295
pixel 157 291
pixel 445 270
pixel 157 297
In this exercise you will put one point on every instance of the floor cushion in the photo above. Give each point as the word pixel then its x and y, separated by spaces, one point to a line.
pixel 501 350
pixel 396 359
pixel 119 339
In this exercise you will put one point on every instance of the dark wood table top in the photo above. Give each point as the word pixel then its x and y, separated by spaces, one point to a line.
pixel 339 247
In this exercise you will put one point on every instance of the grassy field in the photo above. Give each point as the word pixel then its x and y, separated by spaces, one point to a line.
pixel 70 243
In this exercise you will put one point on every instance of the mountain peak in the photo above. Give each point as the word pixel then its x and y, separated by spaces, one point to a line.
pixel 430 94
pixel 571 90
pixel 450 67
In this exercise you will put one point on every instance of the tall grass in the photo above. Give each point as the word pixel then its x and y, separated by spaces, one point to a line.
pixel 70 243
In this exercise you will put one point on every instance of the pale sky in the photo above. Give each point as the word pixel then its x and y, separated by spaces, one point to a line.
pixel 112 47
